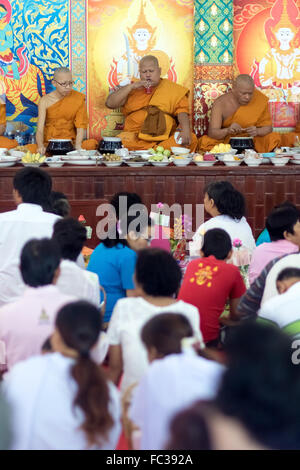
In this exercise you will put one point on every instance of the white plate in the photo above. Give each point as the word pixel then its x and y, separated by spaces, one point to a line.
pixel 253 161
pixel 113 163
pixel 295 162
pixel 59 140
pixel 205 163
pixel 6 163
pixel 140 152
pixel 135 164
pixel 54 163
pixel 182 162
pixel 72 158
pixel 32 164
pixel 81 162
pixel 83 152
pixel 221 154
pixel 16 153
pixel 163 163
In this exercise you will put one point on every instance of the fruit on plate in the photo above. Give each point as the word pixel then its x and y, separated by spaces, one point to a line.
pixel 198 157
pixel 159 154
pixel 208 157
pixel 221 148
pixel 33 158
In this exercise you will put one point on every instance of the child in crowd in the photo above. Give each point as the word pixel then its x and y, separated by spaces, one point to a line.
pixel 62 400
pixel 209 282
pixel 114 259
pixel 283 226
pixel 176 380
pixel 227 208
pixel 157 280
pixel 283 310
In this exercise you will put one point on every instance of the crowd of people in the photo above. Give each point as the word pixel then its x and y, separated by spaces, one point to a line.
pixel 155 367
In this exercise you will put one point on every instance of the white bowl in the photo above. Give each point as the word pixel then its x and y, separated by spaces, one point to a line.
pixel 181 162
pixel 32 164
pixel 221 154
pixel 279 161
pixel 253 161
pixel 135 164
pixel 5 162
pixel 54 162
pixel 16 153
pixel 3 151
pixel 296 156
pixel 206 163
pixel 232 163
pixel 180 150
pixel 163 163
pixel 113 163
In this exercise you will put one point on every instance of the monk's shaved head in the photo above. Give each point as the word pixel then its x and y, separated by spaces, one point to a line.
pixel 244 79
pixel 149 59
pixel 243 89
pixel 61 70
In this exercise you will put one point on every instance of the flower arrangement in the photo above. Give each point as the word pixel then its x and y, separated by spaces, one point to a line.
pixel 241 259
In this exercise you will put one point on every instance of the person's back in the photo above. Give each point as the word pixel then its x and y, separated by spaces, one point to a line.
pixel 27 322
pixel 209 282
pixel 70 235
pixel 32 188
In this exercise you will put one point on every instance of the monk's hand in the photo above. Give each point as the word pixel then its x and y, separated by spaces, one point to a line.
pixel 234 128
pixel 185 135
pixel 140 84
pixel 42 150
pixel 252 131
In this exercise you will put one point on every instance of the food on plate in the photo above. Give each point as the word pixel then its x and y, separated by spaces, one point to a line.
pixel 208 157
pixel 33 158
pixel 111 157
pixel 159 154
pixel 221 148
pixel 198 157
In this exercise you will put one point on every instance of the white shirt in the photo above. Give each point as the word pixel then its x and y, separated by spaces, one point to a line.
pixel 17 227
pixel 170 385
pixel 270 289
pixel 283 310
pixel 78 282
pixel 128 318
pixel 234 227
pixel 41 391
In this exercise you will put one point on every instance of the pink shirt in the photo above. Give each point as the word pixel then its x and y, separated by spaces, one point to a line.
pixel 266 252
pixel 26 323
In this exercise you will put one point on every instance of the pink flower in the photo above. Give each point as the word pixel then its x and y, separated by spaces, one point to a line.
pixel 237 243
pixel 160 205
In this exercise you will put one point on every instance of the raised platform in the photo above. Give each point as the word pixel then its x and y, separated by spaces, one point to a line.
pixel 87 187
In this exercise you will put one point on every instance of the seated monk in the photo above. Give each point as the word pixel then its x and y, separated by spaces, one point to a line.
pixel 62 114
pixel 5 142
pixel 153 109
pixel 241 112
pixel 291 139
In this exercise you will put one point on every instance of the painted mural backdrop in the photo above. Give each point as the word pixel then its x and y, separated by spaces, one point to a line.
pixel 267 45
pixel 120 33
pixel 34 40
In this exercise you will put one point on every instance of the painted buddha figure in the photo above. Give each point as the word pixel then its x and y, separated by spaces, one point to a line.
pixel 280 67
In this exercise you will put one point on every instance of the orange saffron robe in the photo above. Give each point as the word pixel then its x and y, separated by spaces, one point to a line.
pixel 289 139
pixel 168 97
pixel 5 142
pixel 255 113
pixel 65 116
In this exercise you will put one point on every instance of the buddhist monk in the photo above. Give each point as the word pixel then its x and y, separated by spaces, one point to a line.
pixel 4 141
pixel 62 114
pixel 154 108
pixel 241 112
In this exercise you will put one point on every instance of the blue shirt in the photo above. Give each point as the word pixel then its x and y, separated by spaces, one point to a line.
pixel 115 268
pixel 263 237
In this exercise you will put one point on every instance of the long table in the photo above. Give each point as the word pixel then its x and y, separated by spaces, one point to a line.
pixel 89 186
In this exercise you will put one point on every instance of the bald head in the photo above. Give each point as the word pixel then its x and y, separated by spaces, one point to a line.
pixel 60 70
pixel 63 81
pixel 243 89
pixel 151 59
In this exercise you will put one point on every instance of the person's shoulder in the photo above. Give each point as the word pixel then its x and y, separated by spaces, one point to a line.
pixel 168 83
pixel 258 95
pixel 221 99
pixel 78 95
pixel 8 215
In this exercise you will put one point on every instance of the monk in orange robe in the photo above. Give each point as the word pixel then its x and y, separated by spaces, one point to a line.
pixel 62 114
pixel 4 141
pixel 153 109
pixel 241 112
pixel 291 139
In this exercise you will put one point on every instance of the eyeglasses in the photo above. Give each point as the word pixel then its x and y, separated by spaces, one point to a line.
pixel 65 84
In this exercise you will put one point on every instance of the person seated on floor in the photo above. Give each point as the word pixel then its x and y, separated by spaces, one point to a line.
pixel 227 209
pixel 154 108
pixel 5 142
pixel 62 114
pixel 157 280
pixel 114 259
pixel 59 204
pixel 264 236
pixel 26 323
pixel 241 112
pixel 283 310
pixel 123 201
pixel 31 193
pixel 70 235
pixel 291 139
pixel 209 282
pixel 62 400
pixel 176 377
pixel 283 226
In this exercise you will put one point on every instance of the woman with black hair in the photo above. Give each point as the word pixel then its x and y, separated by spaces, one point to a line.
pixel 227 209
pixel 114 259
pixel 62 400
pixel 157 280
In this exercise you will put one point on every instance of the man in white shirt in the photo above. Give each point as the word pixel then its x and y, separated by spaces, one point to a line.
pixel 70 236
pixel 32 188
